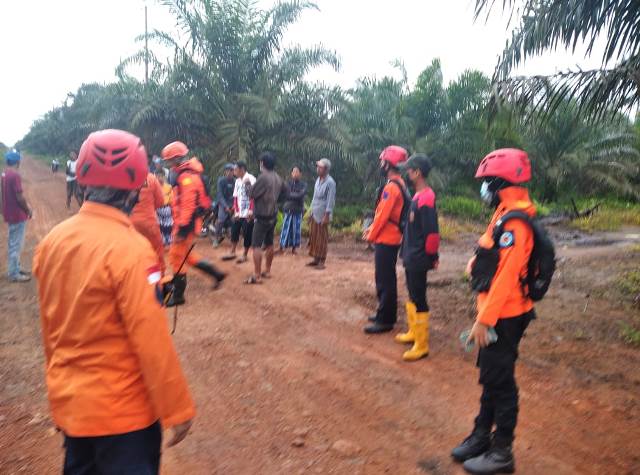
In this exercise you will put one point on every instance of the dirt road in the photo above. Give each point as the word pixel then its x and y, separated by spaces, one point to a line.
pixel 282 371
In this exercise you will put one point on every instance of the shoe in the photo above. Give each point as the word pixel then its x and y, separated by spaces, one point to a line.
pixel 20 278
pixel 421 333
pixel 313 263
pixel 216 243
pixel 25 272
pixel 495 460
pixel 209 269
pixel 376 328
pixel 476 444
pixel 409 336
pixel 176 289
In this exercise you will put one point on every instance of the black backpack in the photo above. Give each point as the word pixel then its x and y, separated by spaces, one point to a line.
pixel 542 262
pixel 406 205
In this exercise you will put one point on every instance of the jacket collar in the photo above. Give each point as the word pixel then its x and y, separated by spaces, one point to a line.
pixel 105 211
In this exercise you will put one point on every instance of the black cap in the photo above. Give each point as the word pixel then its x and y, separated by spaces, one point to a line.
pixel 419 161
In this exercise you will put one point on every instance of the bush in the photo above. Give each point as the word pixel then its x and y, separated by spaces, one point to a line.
pixel 610 216
pixel 464 207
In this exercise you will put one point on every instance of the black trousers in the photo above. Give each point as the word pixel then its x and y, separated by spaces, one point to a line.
pixel 133 453
pixel 386 258
pixel 497 362
pixel 246 227
pixel 417 287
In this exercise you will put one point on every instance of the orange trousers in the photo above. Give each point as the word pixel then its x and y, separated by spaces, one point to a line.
pixel 151 230
pixel 178 250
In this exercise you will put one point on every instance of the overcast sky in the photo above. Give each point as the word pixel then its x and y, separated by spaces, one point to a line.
pixel 49 48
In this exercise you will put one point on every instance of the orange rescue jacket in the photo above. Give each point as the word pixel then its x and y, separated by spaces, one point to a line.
pixel 385 228
pixel 189 194
pixel 150 199
pixel 111 366
pixel 506 297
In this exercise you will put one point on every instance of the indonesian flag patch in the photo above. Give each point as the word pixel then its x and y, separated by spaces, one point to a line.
pixel 154 274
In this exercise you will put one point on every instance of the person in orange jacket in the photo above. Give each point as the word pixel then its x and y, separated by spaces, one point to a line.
pixel 504 306
pixel 386 234
pixel 113 377
pixel 145 218
pixel 190 199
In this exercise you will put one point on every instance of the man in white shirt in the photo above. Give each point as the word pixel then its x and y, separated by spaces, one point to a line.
pixel 242 212
pixel 72 184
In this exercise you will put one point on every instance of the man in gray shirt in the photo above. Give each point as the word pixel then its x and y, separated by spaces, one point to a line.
pixel 324 200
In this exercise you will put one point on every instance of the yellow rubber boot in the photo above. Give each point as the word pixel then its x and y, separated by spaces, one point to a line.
pixel 421 344
pixel 411 318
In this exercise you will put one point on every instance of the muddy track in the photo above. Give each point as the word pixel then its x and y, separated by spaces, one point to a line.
pixel 287 362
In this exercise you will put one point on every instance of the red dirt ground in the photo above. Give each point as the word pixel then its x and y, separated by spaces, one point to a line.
pixel 287 360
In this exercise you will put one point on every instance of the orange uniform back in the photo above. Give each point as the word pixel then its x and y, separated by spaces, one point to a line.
pixel 110 362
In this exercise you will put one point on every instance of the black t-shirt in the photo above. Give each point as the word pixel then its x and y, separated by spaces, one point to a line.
pixel 421 239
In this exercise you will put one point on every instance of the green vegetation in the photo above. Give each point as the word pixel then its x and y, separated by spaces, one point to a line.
pixel 610 216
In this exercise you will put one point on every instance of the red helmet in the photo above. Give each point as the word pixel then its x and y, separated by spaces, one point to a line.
pixel 394 155
pixel 112 158
pixel 174 150
pixel 510 164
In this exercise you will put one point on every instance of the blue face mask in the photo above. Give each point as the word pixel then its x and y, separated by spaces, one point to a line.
pixel 486 194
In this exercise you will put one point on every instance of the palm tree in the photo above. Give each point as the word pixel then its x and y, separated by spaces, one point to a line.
pixel 545 25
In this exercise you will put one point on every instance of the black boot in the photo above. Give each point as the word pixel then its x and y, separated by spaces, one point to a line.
pixel 495 460
pixel 176 290
pixel 376 328
pixel 209 269
pixel 476 444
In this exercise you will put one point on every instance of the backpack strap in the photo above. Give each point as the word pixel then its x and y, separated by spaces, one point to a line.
pixel 499 227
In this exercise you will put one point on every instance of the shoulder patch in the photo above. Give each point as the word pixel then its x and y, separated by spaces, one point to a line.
pixel 385 195
pixel 154 274
pixel 506 240
pixel 186 181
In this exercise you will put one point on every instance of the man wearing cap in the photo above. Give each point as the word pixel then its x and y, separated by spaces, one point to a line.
pixel 324 200
pixel 386 234
pixel 224 198
pixel 420 245
pixel 15 212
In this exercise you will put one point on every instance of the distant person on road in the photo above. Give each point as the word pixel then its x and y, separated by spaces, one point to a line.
pixel 55 165
pixel 322 204
pixel 266 193
pixel 113 378
pixel 420 246
pixel 242 212
pixel 385 233
pixel 165 217
pixel 16 212
pixel 224 198
pixel 72 184
pixel 504 306
pixel 291 234
pixel 190 199
pixel 145 218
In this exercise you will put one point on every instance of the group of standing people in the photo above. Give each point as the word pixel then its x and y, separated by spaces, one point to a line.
pixel 129 386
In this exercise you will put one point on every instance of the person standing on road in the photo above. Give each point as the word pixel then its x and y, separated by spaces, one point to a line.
pixel 165 218
pixel 242 212
pixel 113 376
pixel 506 307
pixel 224 198
pixel 267 192
pixel 386 234
pixel 293 210
pixel 420 245
pixel 189 201
pixel 145 218
pixel 16 212
pixel 55 165
pixel 322 204
pixel 72 183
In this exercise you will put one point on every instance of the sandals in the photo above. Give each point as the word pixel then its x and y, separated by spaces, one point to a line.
pixel 252 280
pixel 242 260
pixel 265 275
